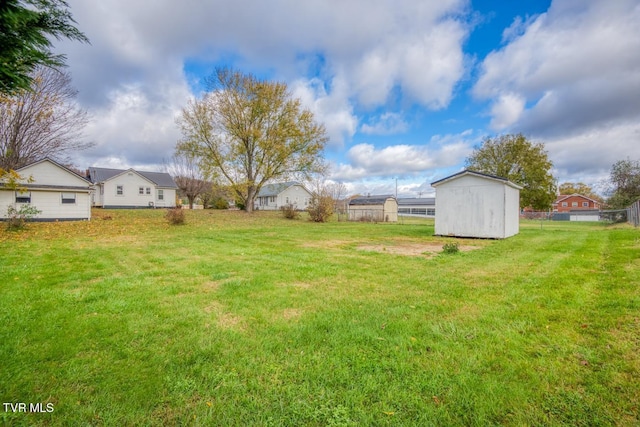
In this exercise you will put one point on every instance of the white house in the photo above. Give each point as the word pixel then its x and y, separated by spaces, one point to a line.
pixel 274 196
pixel 473 204
pixel 56 191
pixel 373 208
pixel 117 188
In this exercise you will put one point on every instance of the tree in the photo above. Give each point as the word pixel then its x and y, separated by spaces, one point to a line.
pixel 520 161
pixel 186 173
pixel 568 188
pixel 41 122
pixel 624 184
pixel 250 132
pixel 26 28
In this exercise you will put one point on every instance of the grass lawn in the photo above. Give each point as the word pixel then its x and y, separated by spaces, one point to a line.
pixel 236 319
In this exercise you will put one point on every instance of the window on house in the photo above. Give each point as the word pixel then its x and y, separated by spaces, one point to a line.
pixel 565 204
pixel 287 200
pixel 148 190
pixel 160 194
pixel 69 198
pixel 574 204
pixel 404 210
pixel 431 212
pixel 272 199
pixel 119 190
pixel 141 191
pixel 585 204
pixel 23 196
pixel 419 211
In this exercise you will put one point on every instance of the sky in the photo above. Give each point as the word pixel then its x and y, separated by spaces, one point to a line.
pixel 405 88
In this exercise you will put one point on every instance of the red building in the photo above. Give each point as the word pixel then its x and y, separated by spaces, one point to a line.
pixel 575 202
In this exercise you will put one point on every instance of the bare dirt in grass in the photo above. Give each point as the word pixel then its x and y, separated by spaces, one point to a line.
pixel 412 249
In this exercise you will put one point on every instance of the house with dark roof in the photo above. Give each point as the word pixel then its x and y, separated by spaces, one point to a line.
pixel 373 208
pixel 57 192
pixel 131 189
pixel 274 196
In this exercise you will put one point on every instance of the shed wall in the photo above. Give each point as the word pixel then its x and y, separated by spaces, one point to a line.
pixel 471 206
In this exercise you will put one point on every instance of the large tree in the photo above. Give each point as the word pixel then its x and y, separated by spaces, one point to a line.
pixel 249 131
pixel 43 121
pixel 624 184
pixel 26 30
pixel 520 161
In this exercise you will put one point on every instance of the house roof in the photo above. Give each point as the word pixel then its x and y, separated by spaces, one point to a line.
pixel 370 200
pixel 275 189
pixel 161 179
pixel 431 201
pixel 565 196
pixel 478 174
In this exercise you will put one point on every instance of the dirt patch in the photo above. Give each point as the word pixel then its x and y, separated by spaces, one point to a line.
pixel 412 249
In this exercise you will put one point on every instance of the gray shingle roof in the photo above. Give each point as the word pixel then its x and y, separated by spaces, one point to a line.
pixel 161 179
pixel 275 189
pixel 370 200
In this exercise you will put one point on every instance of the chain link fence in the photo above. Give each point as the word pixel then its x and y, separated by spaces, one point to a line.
pixel 633 213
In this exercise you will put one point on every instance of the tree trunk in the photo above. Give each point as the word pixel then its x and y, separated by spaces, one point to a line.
pixel 251 195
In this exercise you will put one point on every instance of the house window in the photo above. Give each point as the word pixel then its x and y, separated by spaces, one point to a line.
pixel 69 198
pixel 574 204
pixel 287 200
pixel 141 191
pixel 419 211
pixel 23 196
pixel 119 190
pixel 272 199
pixel 148 190
pixel 431 212
pixel 160 194
pixel 585 204
pixel 404 210
pixel 564 204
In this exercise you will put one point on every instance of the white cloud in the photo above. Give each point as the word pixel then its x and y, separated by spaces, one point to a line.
pixel 365 160
pixel 570 77
pixel 506 110
pixel 385 124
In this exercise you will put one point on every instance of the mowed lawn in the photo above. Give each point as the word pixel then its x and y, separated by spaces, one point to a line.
pixel 236 319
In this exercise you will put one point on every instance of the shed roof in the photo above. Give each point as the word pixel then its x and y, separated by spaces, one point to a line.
pixel 161 179
pixel 370 200
pixel 478 174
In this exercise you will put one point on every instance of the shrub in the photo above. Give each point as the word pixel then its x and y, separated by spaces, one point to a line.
pixel 289 211
pixel 451 248
pixel 220 203
pixel 175 216
pixel 16 218
pixel 321 208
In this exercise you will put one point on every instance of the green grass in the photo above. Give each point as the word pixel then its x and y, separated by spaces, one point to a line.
pixel 241 320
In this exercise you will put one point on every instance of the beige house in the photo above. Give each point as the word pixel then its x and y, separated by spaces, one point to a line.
pixel 56 191
pixel 374 209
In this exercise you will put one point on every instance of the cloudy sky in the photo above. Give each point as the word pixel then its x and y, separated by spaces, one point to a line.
pixel 405 88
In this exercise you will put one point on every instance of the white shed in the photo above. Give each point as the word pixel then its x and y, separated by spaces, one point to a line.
pixel 473 204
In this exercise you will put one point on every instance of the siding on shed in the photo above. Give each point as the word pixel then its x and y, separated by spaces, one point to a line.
pixel 476 205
